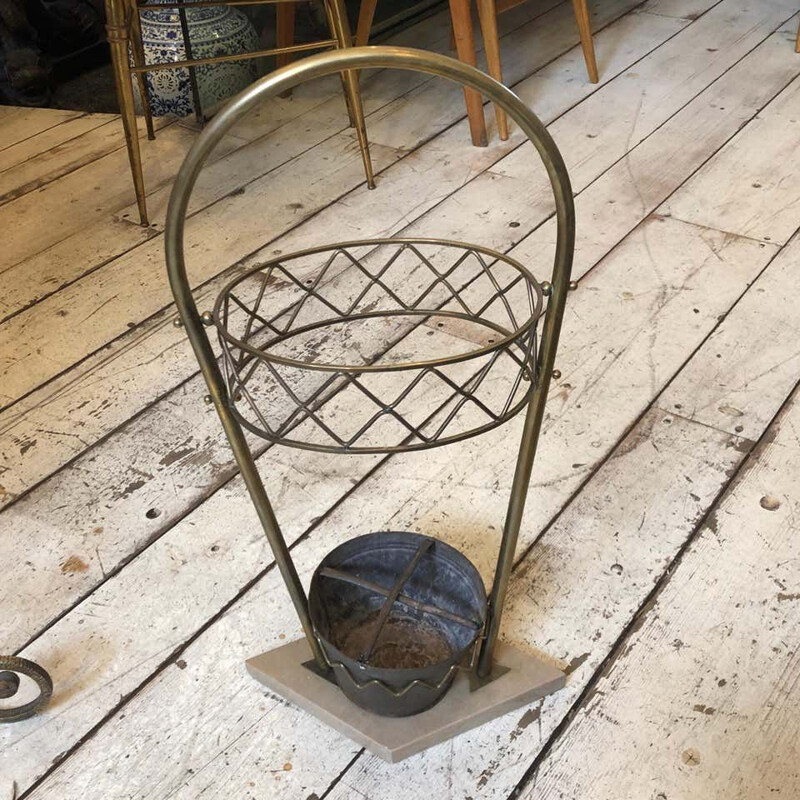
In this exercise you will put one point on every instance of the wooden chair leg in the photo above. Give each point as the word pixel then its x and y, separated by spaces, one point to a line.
pixel 797 43
pixel 366 13
pixel 284 31
pixel 587 44
pixel 487 12
pixel 460 13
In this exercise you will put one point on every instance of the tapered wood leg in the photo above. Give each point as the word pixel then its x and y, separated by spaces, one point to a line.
pixel 340 29
pixel 461 16
pixel 587 44
pixel 118 42
pixel 366 13
pixel 284 33
pixel 137 49
pixel 487 12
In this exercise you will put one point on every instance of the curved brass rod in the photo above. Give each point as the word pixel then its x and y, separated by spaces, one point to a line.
pixel 280 81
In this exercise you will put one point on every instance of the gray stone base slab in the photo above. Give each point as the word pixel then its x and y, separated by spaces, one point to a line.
pixel 526 678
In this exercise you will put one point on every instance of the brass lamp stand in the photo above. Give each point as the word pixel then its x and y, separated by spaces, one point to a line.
pixel 123 26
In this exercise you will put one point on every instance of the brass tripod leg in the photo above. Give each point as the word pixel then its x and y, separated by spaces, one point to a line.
pixel 139 60
pixel 341 32
pixel 332 27
pixel 118 41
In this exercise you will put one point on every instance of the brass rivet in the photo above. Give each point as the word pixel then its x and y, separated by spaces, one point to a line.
pixel 547 288
pixel 207 400
pixel 556 374
pixel 207 318
pixel 178 322
pixel 573 285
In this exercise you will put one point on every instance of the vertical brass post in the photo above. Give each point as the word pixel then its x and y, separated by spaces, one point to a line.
pixel 187 46
pixel 341 32
pixel 139 60
pixel 118 40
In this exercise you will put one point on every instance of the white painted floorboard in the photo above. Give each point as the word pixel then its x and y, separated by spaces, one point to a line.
pixel 661 508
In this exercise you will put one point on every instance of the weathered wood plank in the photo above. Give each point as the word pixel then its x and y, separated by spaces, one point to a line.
pixel 106 181
pixel 52 137
pixel 151 359
pixel 90 312
pixel 609 386
pixel 42 159
pixel 734 35
pixel 750 184
pixel 167 429
pixel 109 237
pixel 646 176
pixel 686 9
pixel 615 119
pixel 171 432
pixel 19 123
pixel 704 692
pixel 256 736
pixel 727 386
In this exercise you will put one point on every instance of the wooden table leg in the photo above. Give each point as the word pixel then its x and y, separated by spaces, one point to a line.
pixel 366 13
pixel 460 13
pixel 587 44
pixel 284 31
pixel 487 11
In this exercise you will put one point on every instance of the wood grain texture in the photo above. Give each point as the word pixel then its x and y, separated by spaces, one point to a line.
pixel 51 137
pixel 99 183
pixel 702 699
pixel 752 358
pixel 189 749
pixel 19 124
pixel 42 159
pixel 178 559
pixel 636 185
pixel 310 171
pixel 152 358
pixel 436 494
pixel 754 193
pixel 185 448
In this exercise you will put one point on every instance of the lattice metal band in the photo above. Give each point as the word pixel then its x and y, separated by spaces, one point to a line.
pixel 274 320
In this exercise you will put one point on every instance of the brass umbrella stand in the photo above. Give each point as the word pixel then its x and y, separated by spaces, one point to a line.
pixel 398 621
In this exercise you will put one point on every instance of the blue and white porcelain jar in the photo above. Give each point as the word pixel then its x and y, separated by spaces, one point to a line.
pixel 213 31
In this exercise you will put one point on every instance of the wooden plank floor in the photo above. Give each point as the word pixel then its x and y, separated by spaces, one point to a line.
pixel 658 561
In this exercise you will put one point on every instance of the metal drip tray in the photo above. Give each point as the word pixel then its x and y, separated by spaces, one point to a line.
pixel 395 614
